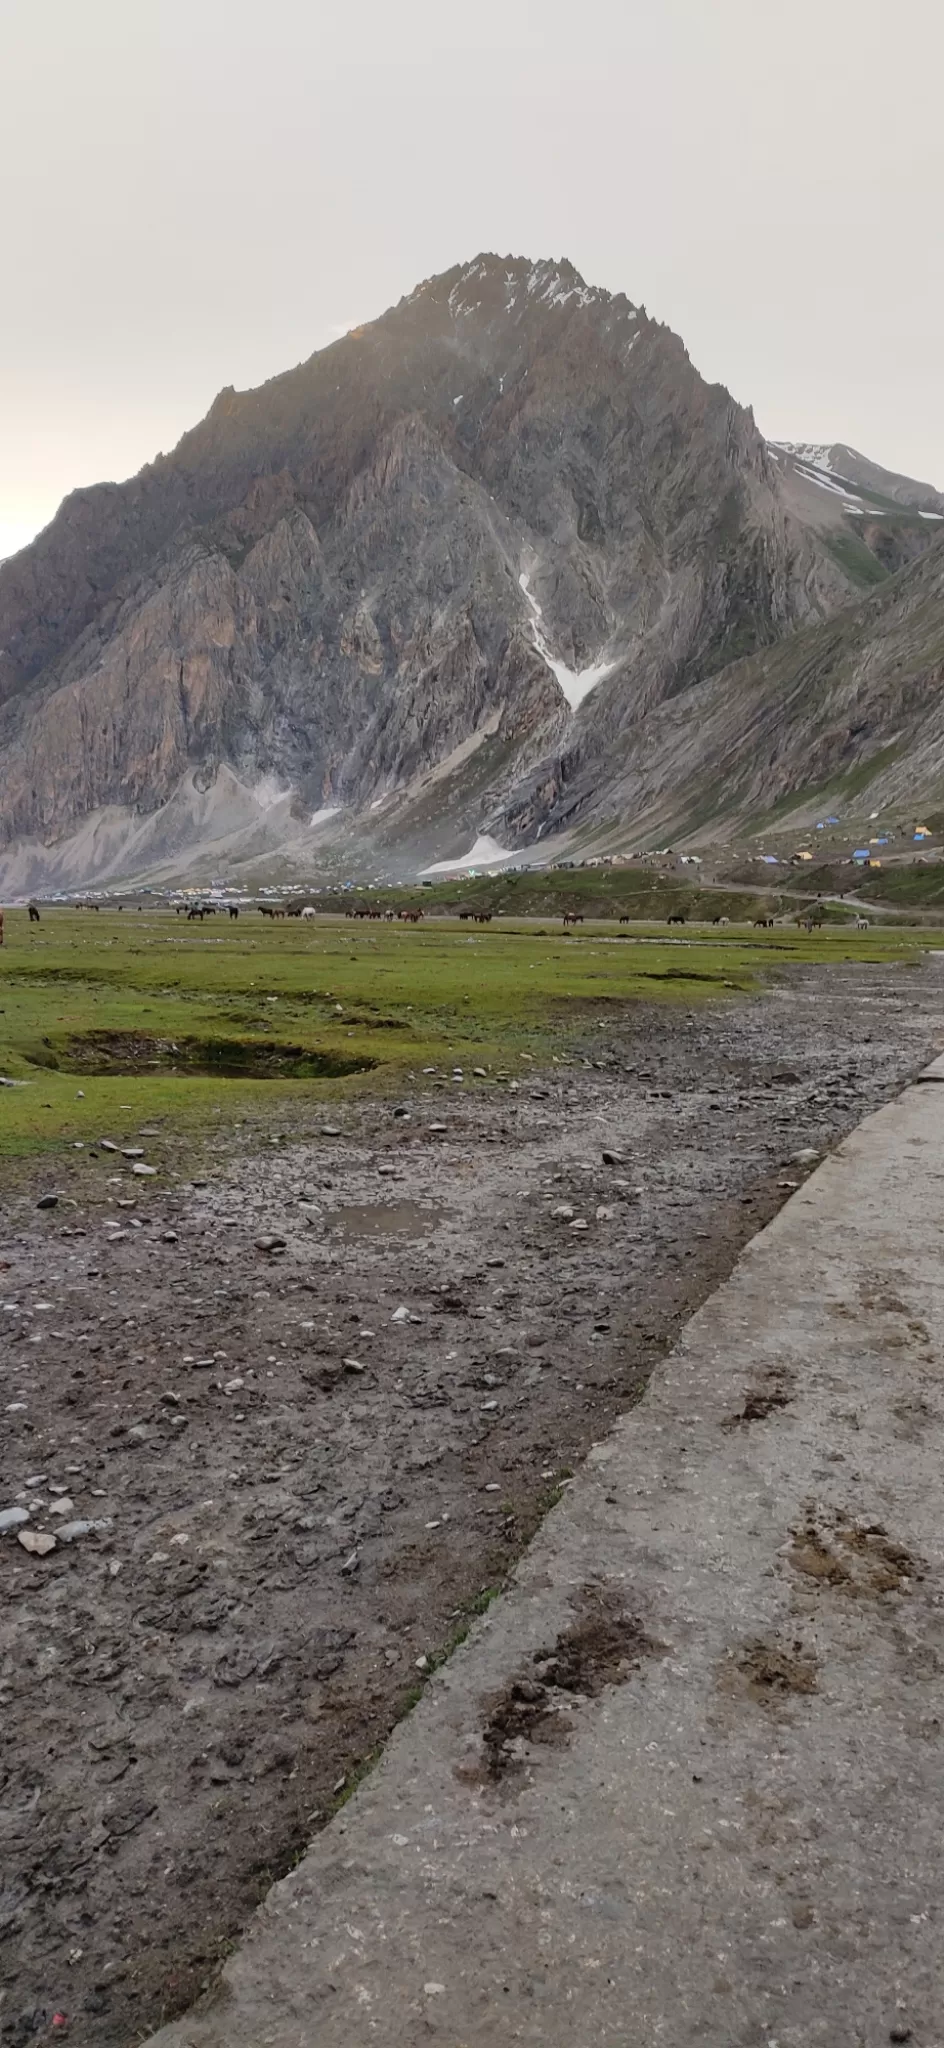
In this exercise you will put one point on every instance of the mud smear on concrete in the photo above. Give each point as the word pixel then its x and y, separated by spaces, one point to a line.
pixel 602 1646
pixel 771 1673
pixel 761 1403
pixel 859 1560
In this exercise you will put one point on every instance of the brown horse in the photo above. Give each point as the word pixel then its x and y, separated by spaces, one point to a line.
pixel 573 917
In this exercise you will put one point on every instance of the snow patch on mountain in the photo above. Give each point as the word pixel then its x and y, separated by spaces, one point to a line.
pixel 576 684
pixel 484 853
pixel 807 451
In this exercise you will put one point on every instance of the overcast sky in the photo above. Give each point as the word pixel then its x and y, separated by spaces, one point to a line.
pixel 201 192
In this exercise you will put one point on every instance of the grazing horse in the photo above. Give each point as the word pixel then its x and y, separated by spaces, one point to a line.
pixel 721 920
pixel 33 914
pixel 763 924
pixel 677 917
pixel 483 917
pixel 862 924
pixel 625 918
pixel 195 912
pixel 573 917
pixel 234 910
pixel 309 911
pixel 411 916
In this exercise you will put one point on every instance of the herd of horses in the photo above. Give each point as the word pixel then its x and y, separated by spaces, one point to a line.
pixel 811 920
pixel 376 916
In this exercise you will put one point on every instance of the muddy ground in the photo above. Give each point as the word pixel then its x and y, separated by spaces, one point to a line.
pixel 313 1459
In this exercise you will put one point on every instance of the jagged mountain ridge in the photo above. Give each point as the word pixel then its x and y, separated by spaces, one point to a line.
pixel 846 466
pixel 358 576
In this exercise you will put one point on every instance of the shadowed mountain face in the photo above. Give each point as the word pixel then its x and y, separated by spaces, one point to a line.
pixel 478 545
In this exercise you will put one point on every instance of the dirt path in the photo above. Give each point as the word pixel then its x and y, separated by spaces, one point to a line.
pixel 314 1462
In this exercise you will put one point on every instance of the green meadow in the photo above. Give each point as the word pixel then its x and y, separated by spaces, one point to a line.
pixel 117 1020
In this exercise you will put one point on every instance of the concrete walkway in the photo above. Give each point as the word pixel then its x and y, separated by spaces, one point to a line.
pixel 713 1811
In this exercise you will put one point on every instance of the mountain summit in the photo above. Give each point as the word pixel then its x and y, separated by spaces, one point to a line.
pixel 451 574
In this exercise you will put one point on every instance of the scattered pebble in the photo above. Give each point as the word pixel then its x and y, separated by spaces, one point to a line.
pixel 48 1202
pixel 72 1531
pixel 36 1541
pixel 13 1518
pixel 139 1168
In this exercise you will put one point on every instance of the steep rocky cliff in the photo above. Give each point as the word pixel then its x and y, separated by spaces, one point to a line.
pixel 480 541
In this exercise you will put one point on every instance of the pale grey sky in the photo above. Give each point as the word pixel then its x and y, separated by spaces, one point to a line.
pixel 201 192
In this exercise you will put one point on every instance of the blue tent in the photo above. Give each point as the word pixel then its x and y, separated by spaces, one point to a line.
pixel 862 853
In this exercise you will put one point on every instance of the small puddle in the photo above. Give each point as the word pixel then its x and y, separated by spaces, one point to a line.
pixel 384 1219
pixel 236 1059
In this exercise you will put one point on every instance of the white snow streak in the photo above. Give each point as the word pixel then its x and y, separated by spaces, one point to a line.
pixel 576 684
pixel 486 853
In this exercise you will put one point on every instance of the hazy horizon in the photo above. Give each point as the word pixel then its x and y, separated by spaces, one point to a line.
pixel 205 196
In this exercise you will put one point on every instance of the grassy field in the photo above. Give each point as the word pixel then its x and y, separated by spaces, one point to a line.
pixel 111 1022
pixel 596 892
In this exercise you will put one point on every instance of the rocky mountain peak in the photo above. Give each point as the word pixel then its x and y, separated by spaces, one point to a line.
pixel 441 576
pixel 507 296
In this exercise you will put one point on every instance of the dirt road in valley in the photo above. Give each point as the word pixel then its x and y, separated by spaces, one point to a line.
pixel 313 1458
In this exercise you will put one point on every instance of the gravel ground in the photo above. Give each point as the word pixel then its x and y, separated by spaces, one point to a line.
pixel 313 1458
